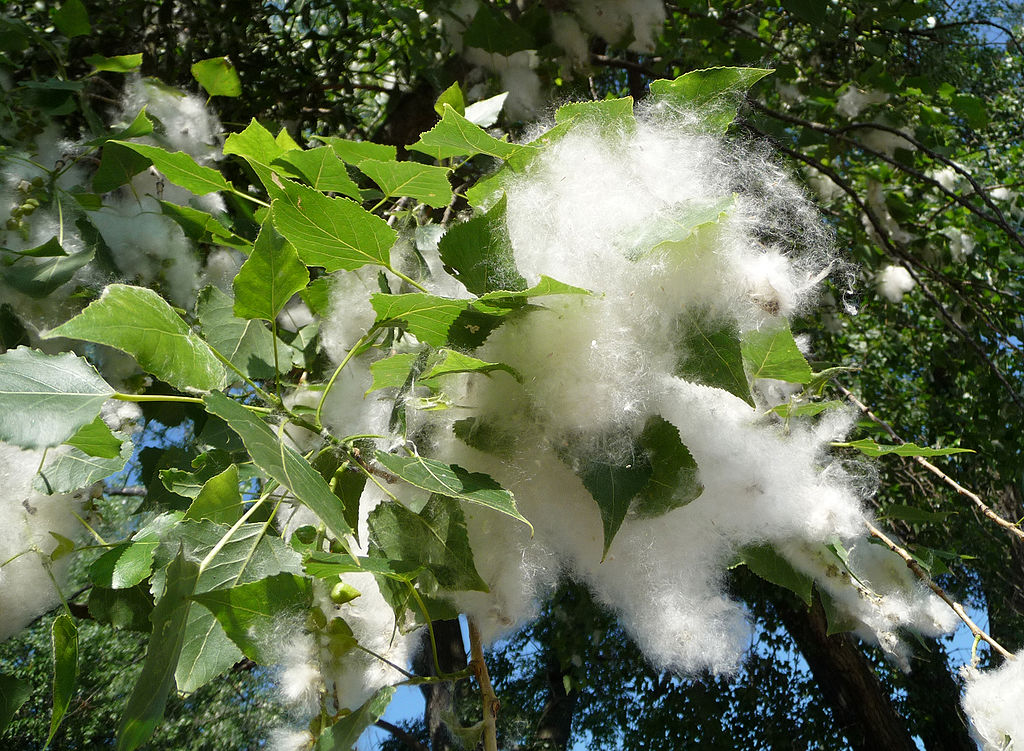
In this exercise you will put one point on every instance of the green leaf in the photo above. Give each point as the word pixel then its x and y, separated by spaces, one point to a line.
pixel 436 539
pixel 772 353
pixel 345 481
pixel 331 565
pixel 122 608
pixel 269 277
pixel 806 410
pixel 130 563
pixel 454 135
pixel 259 148
pixel 354 152
pixel 322 168
pixel 140 126
pixel 335 233
pixel 392 372
pixel 249 613
pixel 219 500
pixel 47 398
pixel 179 168
pixel 39 277
pixel 145 708
pixel 49 249
pixel 427 317
pixel 545 287
pixel 67 470
pixel 118 165
pixel 449 361
pixel 282 463
pixel 870 448
pixel 64 640
pixel 116 64
pixel 248 344
pixel 492 31
pixel 451 481
pixel 681 229
pixel 138 321
pixel 616 114
pixel 710 353
pixel 764 561
pixel 318 295
pixel 452 96
pixel 218 76
pixel 13 693
pixel 96 439
pixel 675 480
pixel 712 91
pixel 913 514
pixel 202 227
pixel 71 19
pixel 479 253
pixel 420 181
pixel 345 732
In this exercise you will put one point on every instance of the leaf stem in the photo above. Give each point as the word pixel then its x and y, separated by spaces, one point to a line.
pixel 269 398
pixel 367 337
pixel 180 399
pixel 408 280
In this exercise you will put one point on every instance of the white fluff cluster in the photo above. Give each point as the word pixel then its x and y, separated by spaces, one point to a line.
pixel 853 101
pixel 617 21
pixel 26 520
pixel 993 701
pixel 596 368
pixel 893 282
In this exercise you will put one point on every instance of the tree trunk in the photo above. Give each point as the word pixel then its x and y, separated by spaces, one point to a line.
pixel 555 723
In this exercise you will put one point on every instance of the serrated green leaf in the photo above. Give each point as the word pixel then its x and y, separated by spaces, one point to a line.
pixel 452 96
pixel 675 479
pixel 427 317
pixel 129 563
pixel 449 361
pixel 269 277
pixel 420 181
pixel 710 353
pixel 138 321
pixel 217 76
pixel 67 470
pixel 454 135
pixel 614 114
pixel 317 295
pixel 870 448
pixel 202 227
pixel 64 642
pixel 451 481
pixel 47 398
pixel 116 64
pixel 335 233
pixel 259 148
pixel 354 152
pixel 331 565
pixel 479 253
pixel 322 168
pixel 180 168
pixel 392 372
pixel 14 692
pixel 543 288
pixel 493 31
pixel 346 731
pixel 39 277
pixel 282 463
pixel 122 608
pixel 96 439
pixel 436 539
pixel 247 343
pixel 118 165
pixel 249 613
pixel 711 91
pixel 140 126
pixel 345 482
pixel 806 410
pixel 145 708
pixel 71 19
pixel 764 561
pixel 772 353
pixel 219 500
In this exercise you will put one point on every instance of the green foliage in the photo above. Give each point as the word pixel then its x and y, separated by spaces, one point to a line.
pixel 65 668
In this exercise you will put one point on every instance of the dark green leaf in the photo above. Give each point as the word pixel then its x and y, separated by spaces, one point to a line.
pixel 118 165
pixel 269 278
pixel 202 227
pixel 318 296
pixel 479 253
pixel 713 92
pixel 709 353
pixel 420 181
pixel 282 463
pixel 180 168
pixel 49 249
pixel 122 608
pixel 451 481
pixel 218 76
pixel 806 410
pixel 331 565
pixel 138 321
pixel 913 514
pixel 492 31
pixel 145 707
pixel 47 398
pixel 675 480
pixel 219 500
pixel 13 693
pixel 772 353
pixel 64 640
pixel 427 317
pixel 764 561
pixel 71 19
pixel 39 277
pixel 67 470
pixel 346 482
pixel 248 344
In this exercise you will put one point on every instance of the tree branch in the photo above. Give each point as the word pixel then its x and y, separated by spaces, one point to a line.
pixel 405 737
pixel 488 700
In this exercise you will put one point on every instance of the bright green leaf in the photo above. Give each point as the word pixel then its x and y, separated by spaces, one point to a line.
pixel 130 563
pixel 354 152
pixel 116 64
pixel 138 321
pixel 47 398
pixel 345 732
pixel 420 181
pixel 96 439
pixel 270 276
pixel 449 361
pixel 13 693
pixel 615 114
pixel 322 168
pixel 870 448
pixel 392 372
pixel 180 168
pixel 712 92
pixel 772 353
pixel 217 76
pixel 427 317
pixel 454 135
pixel 219 500
pixel 806 410
pixel 452 96
pixel 64 641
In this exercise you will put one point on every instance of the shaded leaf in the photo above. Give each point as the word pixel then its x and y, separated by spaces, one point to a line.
pixel 118 165
pixel 479 253
pixel 345 732
pixel 806 410
pixel 47 398
pixel 764 561
pixel 202 227
pixel 138 321
pixel 64 641
pixel 14 692
pixel 39 277
pixel 67 470
pixel 710 353
pixel 71 19
pixel 219 500
pixel 122 608
pixel 130 563
pixel 493 31
pixel 449 361
pixel 675 480
pixel 248 344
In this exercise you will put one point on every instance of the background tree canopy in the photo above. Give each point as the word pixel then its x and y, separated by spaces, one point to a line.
pixel 902 120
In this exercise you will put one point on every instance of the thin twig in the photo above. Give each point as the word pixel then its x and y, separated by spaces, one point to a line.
pixel 487 698
pixel 982 506
pixel 921 574
pixel 405 737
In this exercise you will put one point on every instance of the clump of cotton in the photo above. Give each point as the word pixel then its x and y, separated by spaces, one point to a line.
pixel 853 101
pixel 290 739
pixel 617 21
pixel 26 520
pixel 187 123
pixel 992 702
pixel 299 679
pixel 567 34
pixel 894 282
